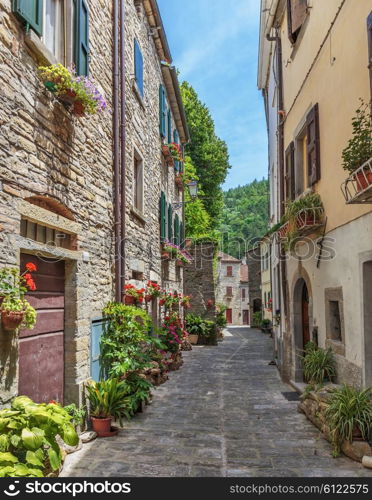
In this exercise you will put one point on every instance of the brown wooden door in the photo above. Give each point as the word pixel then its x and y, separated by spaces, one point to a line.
pixel 245 317
pixel 41 350
pixel 305 315
pixel 229 316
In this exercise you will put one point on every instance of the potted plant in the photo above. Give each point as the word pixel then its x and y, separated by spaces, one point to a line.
pixel 175 151
pixel 358 151
pixel 153 290
pixel 78 91
pixel 16 311
pixel 133 295
pixel 349 415
pixel 179 180
pixel 107 400
pixel 319 364
pixel 266 326
pixel 185 301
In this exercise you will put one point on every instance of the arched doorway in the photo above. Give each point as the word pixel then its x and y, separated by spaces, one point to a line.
pixel 301 324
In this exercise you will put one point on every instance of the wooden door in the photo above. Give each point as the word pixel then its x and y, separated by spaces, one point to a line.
pixel 229 316
pixel 245 317
pixel 41 350
pixel 305 316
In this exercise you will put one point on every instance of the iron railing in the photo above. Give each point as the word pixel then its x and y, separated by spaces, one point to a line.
pixel 357 188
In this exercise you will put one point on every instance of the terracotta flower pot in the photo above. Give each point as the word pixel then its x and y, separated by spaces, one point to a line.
pixel 193 339
pixel 68 97
pixel 11 320
pixel 78 109
pixel 363 180
pixel 102 426
pixel 165 255
pixel 129 300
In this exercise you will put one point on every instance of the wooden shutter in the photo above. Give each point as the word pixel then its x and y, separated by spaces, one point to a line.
pixel 82 38
pixel 170 222
pixel 138 66
pixel 296 14
pixel 290 172
pixel 177 230
pixel 162 111
pixel 177 141
pixel 163 216
pixel 313 146
pixel 369 27
pixel 169 126
pixel 243 293
pixel 229 291
pixel 229 271
pixel 31 12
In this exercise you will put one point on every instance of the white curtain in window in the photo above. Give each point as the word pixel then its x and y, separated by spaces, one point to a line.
pixel 54 28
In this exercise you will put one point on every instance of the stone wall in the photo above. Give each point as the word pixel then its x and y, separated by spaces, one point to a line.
pixel 200 280
pixel 46 151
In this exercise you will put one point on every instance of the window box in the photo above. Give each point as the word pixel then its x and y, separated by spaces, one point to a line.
pixel 307 221
pixel 357 188
pixel 167 155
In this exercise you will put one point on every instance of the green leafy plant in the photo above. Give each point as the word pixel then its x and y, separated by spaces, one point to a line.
pixel 257 319
pixel 28 446
pixel 359 148
pixel 308 206
pixel 319 364
pixel 108 399
pixel 78 414
pixel 206 329
pixel 221 320
pixel 349 410
pixel 20 305
pixel 265 323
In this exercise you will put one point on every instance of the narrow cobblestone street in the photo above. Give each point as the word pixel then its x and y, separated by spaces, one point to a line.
pixel 222 414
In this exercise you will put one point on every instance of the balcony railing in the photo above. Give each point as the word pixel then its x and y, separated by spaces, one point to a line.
pixel 308 221
pixel 358 186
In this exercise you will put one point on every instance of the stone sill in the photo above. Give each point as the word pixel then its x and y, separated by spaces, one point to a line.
pixel 138 215
pixel 336 346
pixel 39 50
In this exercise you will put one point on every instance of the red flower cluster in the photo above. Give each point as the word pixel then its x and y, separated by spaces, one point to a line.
pixel 30 283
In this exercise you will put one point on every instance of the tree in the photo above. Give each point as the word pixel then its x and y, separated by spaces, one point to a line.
pixel 208 153
pixel 245 217
pixel 197 219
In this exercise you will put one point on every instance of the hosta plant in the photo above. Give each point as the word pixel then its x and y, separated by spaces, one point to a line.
pixel 28 446
pixel 319 364
pixel 349 411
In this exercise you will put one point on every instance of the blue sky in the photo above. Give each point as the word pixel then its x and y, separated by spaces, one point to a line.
pixel 214 44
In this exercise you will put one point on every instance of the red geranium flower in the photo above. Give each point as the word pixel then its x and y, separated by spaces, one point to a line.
pixel 30 266
pixel 27 276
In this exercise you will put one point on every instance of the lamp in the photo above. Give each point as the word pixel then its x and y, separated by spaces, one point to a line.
pixel 193 188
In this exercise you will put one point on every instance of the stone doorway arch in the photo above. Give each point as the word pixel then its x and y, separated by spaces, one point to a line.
pixel 302 322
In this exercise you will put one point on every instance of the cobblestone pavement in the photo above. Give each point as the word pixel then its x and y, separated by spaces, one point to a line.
pixel 222 414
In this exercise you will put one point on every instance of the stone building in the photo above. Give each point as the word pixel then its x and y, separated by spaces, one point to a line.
pixel 254 283
pixel 267 311
pixel 322 289
pixel 63 184
pixel 232 289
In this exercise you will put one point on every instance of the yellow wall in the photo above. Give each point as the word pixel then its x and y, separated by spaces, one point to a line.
pixel 338 78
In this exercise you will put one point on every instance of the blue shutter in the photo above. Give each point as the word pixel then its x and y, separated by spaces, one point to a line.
pixel 31 12
pixel 138 66
pixel 169 126
pixel 95 351
pixel 163 216
pixel 82 38
pixel 170 222
pixel 162 111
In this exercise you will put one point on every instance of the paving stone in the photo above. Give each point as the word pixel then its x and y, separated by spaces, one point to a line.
pixel 222 414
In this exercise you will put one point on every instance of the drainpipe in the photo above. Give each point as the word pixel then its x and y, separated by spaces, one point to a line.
pixel 122 144
pixel 116 159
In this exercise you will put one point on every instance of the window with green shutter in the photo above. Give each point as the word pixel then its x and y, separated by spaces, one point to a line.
pixel 176 139
pixel 138 67
pixel 177 230
pixel 162 111
pixel 169 126
pixel 31 12
pixel 163 216
pixel 170 222
pixel 182 236
pixel 82 38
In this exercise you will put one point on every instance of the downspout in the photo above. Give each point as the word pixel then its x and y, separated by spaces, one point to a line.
pixel 122 144
pixel 116 159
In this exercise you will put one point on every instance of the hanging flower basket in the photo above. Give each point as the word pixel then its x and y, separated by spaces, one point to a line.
pixel 11 320
pixel 179 181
